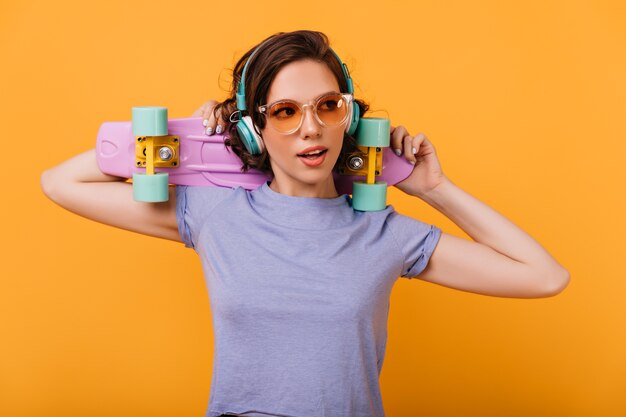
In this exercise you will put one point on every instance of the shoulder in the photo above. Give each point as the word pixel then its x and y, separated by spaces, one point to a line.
pixel 397 220
pixel 194 204
pixel 416 240
pixel 201 197
pixel 402 226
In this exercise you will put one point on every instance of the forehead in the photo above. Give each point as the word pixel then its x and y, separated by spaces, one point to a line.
pixel 302 81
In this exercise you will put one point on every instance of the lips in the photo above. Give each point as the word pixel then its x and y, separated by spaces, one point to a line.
pixel 311 149
pixel 314 160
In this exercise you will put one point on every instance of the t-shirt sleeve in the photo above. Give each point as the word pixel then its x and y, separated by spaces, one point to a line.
pixel 417 241
pixel 193 207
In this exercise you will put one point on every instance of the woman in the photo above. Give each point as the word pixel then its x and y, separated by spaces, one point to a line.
pixel 299 282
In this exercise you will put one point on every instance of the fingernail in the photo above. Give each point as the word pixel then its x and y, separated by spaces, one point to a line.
pixel 412 162
pixel 397 152
pixel 205 122
pixel 209 131
pixel 414 150
pixel 218 130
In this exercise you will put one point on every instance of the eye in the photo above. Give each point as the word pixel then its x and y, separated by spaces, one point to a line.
pixel 283 110
pixel 330 103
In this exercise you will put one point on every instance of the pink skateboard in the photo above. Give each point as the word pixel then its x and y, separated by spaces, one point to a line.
pixel 190 157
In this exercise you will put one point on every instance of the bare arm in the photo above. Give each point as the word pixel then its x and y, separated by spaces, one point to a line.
pixel 79 186
pixel 503 261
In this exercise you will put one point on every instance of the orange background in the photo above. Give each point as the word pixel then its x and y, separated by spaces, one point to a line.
pixel 524 101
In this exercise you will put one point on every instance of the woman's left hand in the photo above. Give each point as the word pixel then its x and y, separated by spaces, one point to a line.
pixel 427 173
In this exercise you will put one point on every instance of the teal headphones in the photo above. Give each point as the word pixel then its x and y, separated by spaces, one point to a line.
pixel 245 127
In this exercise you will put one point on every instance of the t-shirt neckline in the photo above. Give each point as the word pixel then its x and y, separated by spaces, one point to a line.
pixel 303 213
pixel 309 201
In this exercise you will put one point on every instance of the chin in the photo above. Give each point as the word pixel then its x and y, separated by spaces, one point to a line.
pixel 313 176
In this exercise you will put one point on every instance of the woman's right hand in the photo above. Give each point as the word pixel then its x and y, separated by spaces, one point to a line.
pixel 210 122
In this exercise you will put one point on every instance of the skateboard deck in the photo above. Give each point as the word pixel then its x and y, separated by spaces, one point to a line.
pixel 202 160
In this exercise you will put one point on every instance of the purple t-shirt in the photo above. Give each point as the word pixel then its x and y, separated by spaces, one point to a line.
pixel 299 291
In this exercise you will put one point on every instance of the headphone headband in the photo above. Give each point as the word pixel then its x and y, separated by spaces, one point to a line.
pixel 241 93
pixel 241 89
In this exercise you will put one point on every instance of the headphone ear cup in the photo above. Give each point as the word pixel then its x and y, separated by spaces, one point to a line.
pixel 251 140
pixel 355 115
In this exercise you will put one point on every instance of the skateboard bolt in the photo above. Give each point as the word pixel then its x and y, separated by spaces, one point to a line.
pixel 356 162
pixel 165 153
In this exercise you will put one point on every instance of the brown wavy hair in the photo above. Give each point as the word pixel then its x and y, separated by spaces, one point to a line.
pixel 277 51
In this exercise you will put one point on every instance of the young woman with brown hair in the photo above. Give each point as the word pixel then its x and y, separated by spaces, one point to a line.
pixel 299 282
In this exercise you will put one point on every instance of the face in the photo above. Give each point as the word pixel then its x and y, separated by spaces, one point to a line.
pixel 303 81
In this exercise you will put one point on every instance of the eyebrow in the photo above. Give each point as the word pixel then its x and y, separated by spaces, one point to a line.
pixel 315 98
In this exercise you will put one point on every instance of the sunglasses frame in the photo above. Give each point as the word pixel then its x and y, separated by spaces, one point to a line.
pixel 348 98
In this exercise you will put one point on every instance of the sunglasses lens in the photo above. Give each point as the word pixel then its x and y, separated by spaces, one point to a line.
pixel 285 116
pixel 332 109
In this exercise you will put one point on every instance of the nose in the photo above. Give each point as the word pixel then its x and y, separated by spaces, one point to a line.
pixel 310 126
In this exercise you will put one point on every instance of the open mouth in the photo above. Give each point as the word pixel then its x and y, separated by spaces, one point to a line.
pixel 314 160
pixel 314 155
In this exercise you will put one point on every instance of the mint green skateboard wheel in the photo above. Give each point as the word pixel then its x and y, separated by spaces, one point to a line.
pixel 373 132
pixel 150 188
pixel 369 197
pixel 149 121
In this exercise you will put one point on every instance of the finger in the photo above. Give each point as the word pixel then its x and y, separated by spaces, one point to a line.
pixel 418 143
pixel 209 121
pixel 217 117
pixel 208 107
pixel 209 117
pixel 209 124
pixel 396 139
pixel 409 150
pixel 428 143
pixel 201 111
